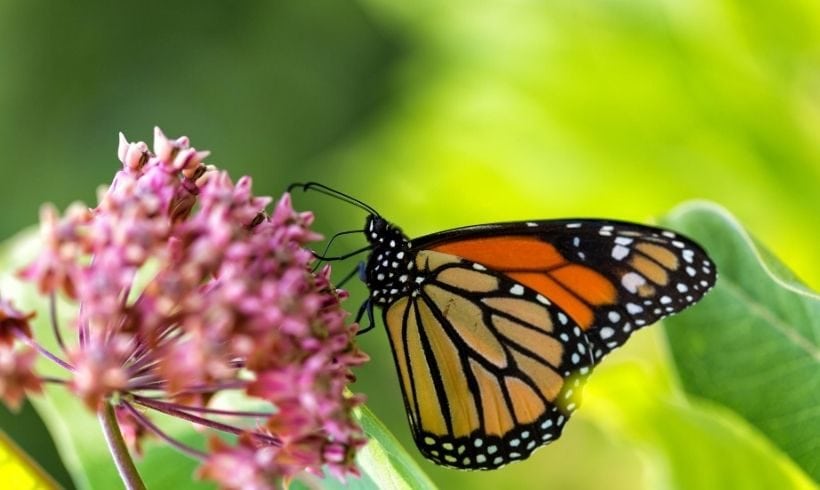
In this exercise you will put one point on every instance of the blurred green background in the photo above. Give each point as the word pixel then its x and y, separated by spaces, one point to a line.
pixel 446 113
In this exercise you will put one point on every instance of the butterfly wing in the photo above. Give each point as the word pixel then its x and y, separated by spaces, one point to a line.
pixel 611 277
pixel 490 369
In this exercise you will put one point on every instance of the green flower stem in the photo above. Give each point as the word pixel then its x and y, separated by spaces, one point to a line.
pixel 116 444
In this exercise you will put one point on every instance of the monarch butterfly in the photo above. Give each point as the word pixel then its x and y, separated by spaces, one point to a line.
pixel 495 327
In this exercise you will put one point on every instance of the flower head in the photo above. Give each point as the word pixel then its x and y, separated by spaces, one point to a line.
pixel 17 375
pixel 187 288
pixel 245 466
pixel 12 323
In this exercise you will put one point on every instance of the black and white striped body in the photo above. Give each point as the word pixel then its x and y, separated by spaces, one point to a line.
pixel 390 267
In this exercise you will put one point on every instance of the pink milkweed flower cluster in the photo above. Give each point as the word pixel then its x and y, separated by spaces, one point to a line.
pixel 186 288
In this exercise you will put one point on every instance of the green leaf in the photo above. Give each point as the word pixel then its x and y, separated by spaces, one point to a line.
pixel 686 443
pixel 385 461
pixel 752 344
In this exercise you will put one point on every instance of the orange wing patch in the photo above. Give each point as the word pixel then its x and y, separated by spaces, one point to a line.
pixel 558 294
pixel 586 283
pixel 498 420
pixel 528 406
pixel 466 317
pixel 463 414
pixel 505 253
pixel 415 365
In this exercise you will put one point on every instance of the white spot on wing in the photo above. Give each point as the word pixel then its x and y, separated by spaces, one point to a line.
pixel 619 252
pixel 633 308
pixel 632 281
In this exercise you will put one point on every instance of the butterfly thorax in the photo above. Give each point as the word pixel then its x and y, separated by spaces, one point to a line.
pixel 389 272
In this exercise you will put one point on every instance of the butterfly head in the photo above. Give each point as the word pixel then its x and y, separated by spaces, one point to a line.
pixel 389 271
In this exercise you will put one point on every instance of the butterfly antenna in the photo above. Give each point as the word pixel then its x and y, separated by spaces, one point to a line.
pixel 329 191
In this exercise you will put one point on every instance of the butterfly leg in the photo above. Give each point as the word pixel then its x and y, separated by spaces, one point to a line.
pixel 329 244
pixel 367 307
pixel 341 257
pixel 357 270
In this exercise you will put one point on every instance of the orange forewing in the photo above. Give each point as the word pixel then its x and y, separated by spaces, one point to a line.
pixel 505 253
pixel 575 288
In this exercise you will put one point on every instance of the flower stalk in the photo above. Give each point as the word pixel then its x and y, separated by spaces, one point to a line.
pixel 119 451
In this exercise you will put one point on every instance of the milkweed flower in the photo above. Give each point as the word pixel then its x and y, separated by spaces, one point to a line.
pixel 16 362
pixel 187 288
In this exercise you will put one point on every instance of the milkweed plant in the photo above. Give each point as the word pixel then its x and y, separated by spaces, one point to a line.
pixel 183 287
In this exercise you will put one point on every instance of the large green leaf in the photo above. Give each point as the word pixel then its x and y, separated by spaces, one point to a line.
pixel 752 345
pixel 687 444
